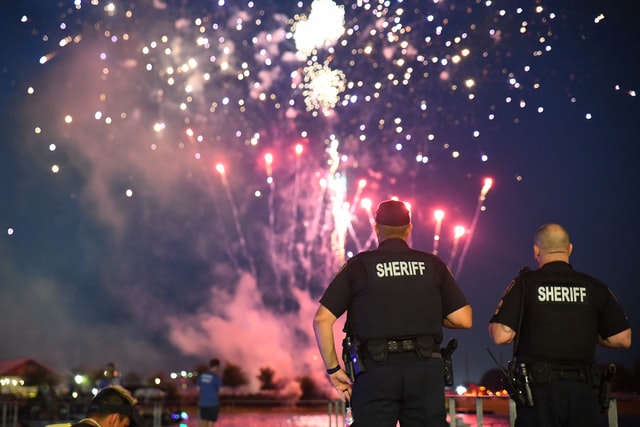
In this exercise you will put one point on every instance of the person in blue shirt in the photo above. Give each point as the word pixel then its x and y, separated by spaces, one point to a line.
pixel 209 383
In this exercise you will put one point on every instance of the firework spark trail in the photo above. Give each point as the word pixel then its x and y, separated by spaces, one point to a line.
pixel 295 202
pixel 236 218
pixel 483 193
pixel 373 238
pixel 337 185
pixel 458 233
pixel 228 248
pixel 354 237
pixel 362 183
pixel 268 159
pixel 438 215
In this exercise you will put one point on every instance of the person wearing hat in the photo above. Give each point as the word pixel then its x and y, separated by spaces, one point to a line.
pixel 113 406
pixel 397 301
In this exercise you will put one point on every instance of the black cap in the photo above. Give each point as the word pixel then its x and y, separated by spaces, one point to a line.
pixel 392 212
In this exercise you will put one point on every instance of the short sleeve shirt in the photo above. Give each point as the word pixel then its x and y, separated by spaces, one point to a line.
pixel 563 312
pixel 394 291
pixel 209 383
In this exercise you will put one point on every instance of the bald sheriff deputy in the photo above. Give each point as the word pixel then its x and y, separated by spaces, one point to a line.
pixel 555 316
pixel 397 300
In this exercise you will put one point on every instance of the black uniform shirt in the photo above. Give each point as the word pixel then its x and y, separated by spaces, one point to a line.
pixel 393 292
pixel 564 311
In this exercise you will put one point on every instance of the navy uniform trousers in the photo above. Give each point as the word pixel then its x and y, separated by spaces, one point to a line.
pixel 561 403
pixel 404 388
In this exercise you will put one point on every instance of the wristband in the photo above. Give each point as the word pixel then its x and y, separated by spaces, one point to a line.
pixel 333 370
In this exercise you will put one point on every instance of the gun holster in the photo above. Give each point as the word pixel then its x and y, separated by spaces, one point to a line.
pixel 604 392
pixel 519 387
pixel 351 357
pixel 446 353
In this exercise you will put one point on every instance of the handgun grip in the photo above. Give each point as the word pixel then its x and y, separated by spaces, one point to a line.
pixel 450 348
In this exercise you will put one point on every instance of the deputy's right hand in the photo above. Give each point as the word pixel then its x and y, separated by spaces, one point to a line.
pixel 342 384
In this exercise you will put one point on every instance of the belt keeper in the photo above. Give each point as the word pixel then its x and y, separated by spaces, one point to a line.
pixel 333 370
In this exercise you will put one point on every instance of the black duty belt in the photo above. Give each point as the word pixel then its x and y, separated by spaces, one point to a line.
pixel 378 349
pixel 569 375
pixel 401 346
pixel 544 372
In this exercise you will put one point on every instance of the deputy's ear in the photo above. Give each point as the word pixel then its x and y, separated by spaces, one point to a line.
pixel 113 419
pixel 408 232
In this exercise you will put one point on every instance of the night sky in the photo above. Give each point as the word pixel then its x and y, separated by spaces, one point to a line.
pixel 180 179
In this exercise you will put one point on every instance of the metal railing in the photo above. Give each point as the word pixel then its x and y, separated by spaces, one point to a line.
pixel 612 413
pixel 9 414
pixel 336 410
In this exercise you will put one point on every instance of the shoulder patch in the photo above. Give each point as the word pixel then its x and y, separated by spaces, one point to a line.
pixel 498 307
pixel 506 291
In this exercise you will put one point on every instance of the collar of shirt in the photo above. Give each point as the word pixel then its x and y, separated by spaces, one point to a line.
pixel 556 266
pixel 393 244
